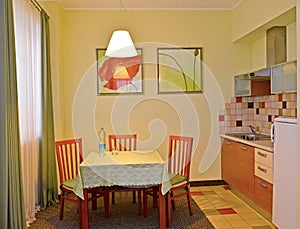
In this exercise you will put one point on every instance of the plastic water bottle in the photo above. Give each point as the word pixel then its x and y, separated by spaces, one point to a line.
pixel 102 140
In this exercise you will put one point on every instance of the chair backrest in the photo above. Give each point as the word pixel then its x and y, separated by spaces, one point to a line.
pixel 180 153
pixel 122 142
pixel 69 156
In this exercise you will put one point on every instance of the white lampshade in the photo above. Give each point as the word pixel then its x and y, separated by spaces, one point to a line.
pixel 120 45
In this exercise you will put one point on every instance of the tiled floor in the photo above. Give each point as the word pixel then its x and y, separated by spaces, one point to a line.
pixel 225 210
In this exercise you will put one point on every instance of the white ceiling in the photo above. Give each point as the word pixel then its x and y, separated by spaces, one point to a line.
pixel 149 4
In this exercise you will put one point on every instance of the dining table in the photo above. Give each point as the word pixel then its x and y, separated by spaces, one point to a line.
pixel 139 169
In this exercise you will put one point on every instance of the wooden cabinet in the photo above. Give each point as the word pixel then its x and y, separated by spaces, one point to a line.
pixel 263 194
pixel 228 160
pixel 245 169
pixel 263 179
pixel 248 170
pixel 237 162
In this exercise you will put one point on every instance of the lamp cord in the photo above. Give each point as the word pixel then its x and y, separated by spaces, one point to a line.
pixel 121 8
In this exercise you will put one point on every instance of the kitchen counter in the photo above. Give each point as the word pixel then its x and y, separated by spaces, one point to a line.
pixel 262 144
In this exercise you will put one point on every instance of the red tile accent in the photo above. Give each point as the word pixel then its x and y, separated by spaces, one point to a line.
pixel 263 105
pixel 238 99
pixel 225 211
pixel 196 193
pixel 221 117
pixel 279 97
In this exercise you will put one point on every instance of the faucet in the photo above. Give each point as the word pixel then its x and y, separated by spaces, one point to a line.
pixel 253 129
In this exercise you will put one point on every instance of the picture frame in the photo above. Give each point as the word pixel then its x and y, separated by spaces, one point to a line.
pixel 119 75
pixel 179 70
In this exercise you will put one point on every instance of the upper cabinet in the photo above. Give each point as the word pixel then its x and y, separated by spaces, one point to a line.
pixel 284 77
pixel 253 84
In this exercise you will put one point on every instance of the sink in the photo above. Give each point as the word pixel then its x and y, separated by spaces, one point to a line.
pixel 250 136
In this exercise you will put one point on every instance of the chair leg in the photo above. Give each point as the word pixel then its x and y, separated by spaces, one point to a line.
pixel 168 209
pixel 106 203
pixel 61 210
pixel 140 201
pixel 145 203
pixel 134 197
pixel 94 201
pixel 113 198
pixel 172 201
pixel 189 200
pixel 155 197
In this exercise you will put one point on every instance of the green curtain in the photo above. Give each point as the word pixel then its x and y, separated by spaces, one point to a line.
pixel 48 178
pixel 12 209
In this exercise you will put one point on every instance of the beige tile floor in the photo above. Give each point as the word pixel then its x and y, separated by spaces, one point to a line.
pixel 225 210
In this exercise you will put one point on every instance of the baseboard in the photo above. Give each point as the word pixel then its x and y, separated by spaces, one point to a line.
pixel 207 183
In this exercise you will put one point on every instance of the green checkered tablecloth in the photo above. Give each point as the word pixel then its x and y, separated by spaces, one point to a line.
pixel 125 168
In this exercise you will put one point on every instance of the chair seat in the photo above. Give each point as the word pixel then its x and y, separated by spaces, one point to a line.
pixel 177 180
pixel 69 184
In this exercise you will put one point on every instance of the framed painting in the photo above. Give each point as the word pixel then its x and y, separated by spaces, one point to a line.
pixel 119 75
pixel 179 70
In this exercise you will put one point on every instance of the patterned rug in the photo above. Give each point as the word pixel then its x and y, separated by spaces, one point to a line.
pixel 124 214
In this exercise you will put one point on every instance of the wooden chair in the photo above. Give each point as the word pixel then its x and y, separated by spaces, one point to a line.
pixel 124 142
pixel 179 161
pixel 69 157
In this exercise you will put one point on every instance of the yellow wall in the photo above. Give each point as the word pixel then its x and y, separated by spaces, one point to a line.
pixel 153 117
pixel 249 15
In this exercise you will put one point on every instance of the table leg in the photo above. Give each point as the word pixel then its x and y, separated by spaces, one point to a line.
pixel 84 212
pixel 106 203
pixel 162 210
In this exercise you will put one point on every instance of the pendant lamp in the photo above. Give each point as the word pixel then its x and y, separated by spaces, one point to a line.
pixel 120 45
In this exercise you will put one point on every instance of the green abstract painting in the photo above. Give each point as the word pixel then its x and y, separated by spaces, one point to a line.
pixel 179 70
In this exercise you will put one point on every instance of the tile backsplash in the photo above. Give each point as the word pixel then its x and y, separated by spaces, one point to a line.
pixel 258 111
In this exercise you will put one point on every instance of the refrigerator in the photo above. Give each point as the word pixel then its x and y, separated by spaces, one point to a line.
pixel 284 133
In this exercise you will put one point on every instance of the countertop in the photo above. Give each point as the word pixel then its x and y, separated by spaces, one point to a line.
pixel 262 144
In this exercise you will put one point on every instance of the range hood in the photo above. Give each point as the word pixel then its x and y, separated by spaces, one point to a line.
pixel 276 45
pixel 261 74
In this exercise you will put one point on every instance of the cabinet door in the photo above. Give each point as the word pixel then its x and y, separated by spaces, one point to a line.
pixel 284 78
pixel 263 194
pixel 242 87
pixel 245 169
pixel 228 160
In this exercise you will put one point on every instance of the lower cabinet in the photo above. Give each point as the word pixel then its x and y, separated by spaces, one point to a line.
pixel 228 160
pixel 248 170
pixel 263 194
pixel 238 166
pixel 245 169
pixel 264 179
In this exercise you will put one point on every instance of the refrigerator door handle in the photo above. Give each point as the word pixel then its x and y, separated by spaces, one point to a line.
pixel 272 132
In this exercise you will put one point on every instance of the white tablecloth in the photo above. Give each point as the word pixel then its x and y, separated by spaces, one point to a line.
pixel 125 168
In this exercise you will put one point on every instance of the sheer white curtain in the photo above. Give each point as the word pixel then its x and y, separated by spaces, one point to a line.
pixel 28 56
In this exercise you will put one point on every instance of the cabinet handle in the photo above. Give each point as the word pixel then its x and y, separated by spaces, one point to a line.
pixel 262 169
pixel 244 148
pixel 262 154
pixel 228 143
pixel 262 184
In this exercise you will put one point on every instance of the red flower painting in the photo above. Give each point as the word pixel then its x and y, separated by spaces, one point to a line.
pixel 119 72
